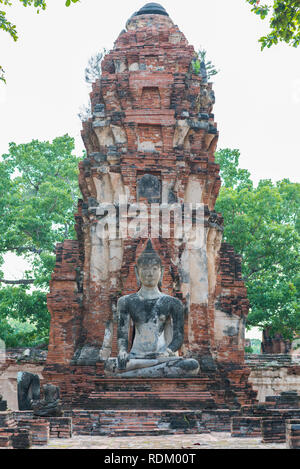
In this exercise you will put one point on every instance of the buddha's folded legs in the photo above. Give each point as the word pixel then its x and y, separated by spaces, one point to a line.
pixel 171 367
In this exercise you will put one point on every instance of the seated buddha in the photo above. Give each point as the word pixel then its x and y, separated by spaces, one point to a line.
pixel 158 321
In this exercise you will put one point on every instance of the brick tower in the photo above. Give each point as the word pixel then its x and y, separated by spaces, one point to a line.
pixel 151 139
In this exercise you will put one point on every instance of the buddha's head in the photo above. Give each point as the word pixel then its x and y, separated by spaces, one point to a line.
pixel 149 267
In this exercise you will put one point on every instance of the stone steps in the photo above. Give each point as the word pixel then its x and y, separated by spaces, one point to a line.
pixel 138 395
pixel 132 422
pixel 148 400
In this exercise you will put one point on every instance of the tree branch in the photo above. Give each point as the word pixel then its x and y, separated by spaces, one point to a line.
pixel 17 282
pixel 33 249
pixel 26 248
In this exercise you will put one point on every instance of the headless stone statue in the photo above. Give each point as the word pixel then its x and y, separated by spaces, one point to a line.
pixel 158 328
pixel 28 389
pixel 51 405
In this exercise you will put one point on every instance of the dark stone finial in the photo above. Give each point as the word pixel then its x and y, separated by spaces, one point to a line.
pixel 149 248
pixel 149 255
pixel 151 9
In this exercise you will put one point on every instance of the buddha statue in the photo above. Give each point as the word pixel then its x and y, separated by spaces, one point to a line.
pixel 158 321
pixel 51 405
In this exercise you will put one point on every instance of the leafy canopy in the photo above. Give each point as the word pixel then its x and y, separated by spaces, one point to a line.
pixel 38 196
pixel 263 225
pixel 284 21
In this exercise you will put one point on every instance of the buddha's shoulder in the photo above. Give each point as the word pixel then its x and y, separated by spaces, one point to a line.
pixel 127 298
pixel 171 300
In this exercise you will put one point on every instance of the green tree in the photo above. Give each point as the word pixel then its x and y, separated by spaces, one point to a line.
pixel 38 196
pixel 284 21
pixel 262 223
pixel 10 28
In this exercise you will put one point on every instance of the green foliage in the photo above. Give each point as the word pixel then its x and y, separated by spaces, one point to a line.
pixel 201 61
pixel 262 224
pixel 24 317
pixel 10 28
pixel 248 349
pixel 256 346
pixel 233 176
pixel 210 68
pixel 68 2
pixel 196 66
pixel 284 21
pixel 7 26
pixel 38 196
pixel 2 74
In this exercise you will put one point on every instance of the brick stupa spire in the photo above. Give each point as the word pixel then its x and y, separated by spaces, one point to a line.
pixel 151 138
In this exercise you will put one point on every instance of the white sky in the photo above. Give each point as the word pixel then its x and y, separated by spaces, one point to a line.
pixel 257 93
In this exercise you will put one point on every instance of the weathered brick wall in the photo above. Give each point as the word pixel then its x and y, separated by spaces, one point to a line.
pixel 272 374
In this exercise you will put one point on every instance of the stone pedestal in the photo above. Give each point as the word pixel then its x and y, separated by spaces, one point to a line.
pixel 171 393
pixel 86 387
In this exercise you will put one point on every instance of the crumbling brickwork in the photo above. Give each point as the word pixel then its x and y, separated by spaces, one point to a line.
pixel 151 139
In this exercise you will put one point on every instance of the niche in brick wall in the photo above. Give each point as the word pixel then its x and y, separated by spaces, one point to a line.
pixel 149 187
pixel 149 138
pixel 150 98
pixel 150 61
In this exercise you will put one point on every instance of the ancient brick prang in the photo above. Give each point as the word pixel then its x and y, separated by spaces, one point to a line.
pixel 151 139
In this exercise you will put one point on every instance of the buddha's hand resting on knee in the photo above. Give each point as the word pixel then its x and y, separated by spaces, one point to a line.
pixel 169 353
pixel 122 359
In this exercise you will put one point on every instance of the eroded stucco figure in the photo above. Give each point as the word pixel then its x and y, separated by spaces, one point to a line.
pixel 51 405
pixel 158 321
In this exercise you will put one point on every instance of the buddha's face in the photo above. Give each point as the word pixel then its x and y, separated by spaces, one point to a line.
pixel 149 274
